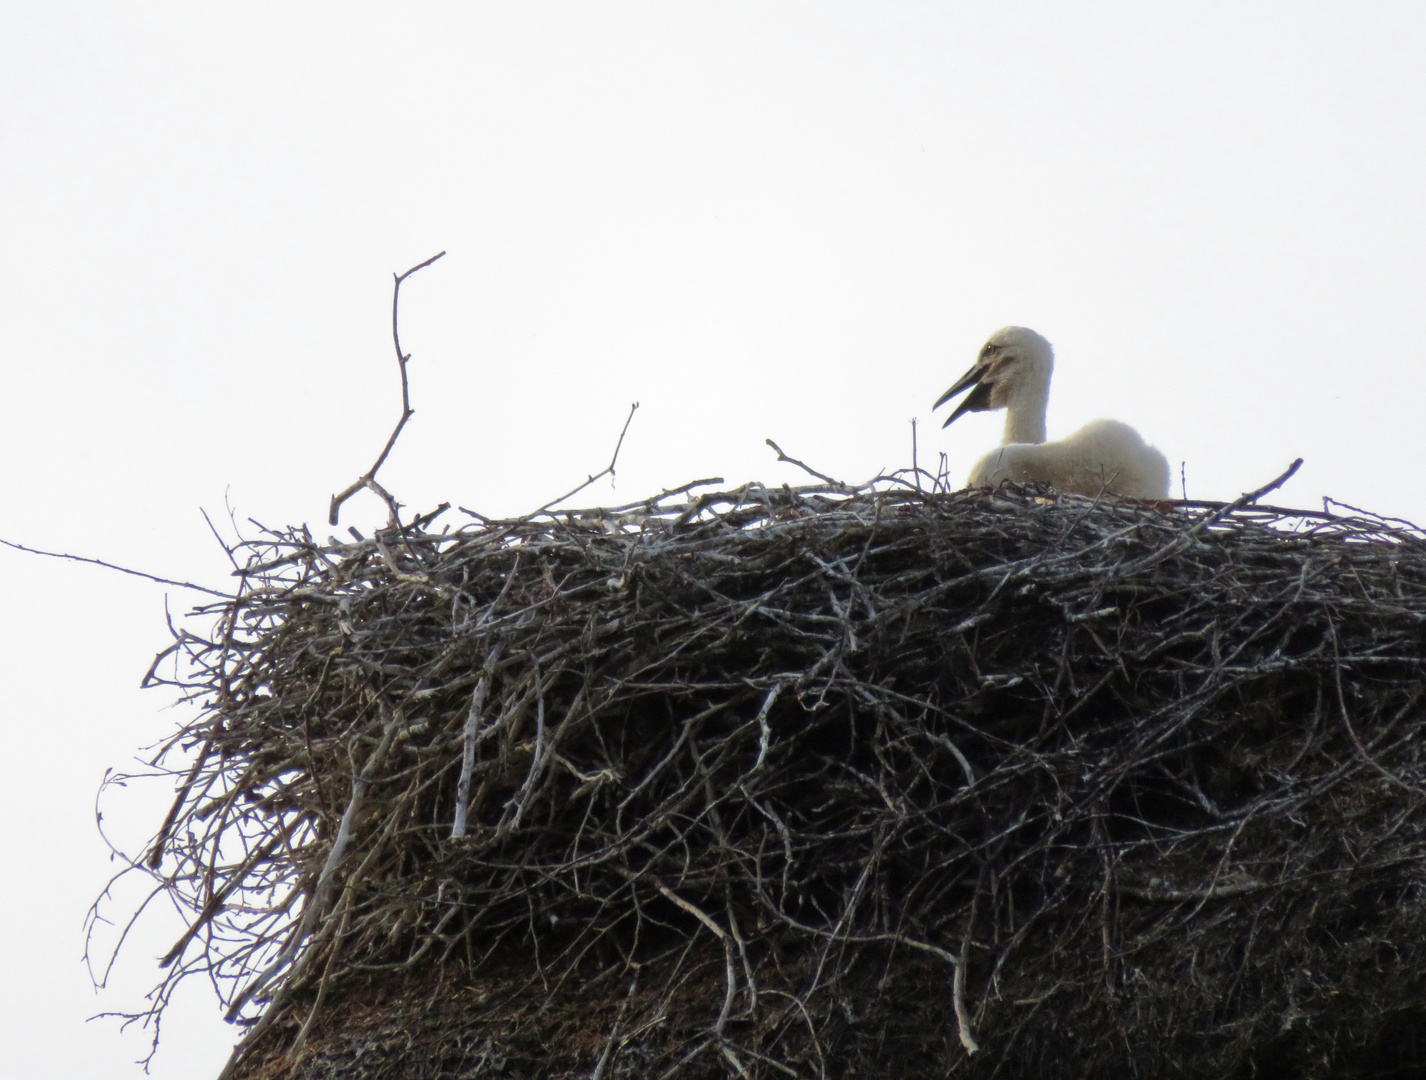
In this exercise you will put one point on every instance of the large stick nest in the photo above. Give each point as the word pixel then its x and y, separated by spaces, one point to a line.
pixel 814 783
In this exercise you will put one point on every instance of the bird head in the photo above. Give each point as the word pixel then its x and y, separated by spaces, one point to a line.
pixel 1014 360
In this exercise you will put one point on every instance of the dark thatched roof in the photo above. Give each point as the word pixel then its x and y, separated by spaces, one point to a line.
pixel 815 783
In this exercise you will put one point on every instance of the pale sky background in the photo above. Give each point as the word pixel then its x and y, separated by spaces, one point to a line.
pixel 796 220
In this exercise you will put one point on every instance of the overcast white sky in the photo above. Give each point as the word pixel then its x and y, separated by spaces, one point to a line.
pixel 795 220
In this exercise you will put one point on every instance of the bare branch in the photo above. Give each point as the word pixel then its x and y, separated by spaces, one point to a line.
pixel 121 569
pixel 608 470
pixel 809 469
pixel 368 479
pixel 472 727
pixel 1254 496
pixel 1246 499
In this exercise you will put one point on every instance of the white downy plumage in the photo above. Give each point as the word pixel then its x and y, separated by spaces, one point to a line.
pixel 1105 456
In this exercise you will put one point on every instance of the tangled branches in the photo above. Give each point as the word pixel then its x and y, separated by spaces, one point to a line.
pixel 818 782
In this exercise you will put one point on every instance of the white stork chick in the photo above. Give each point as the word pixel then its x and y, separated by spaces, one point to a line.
pixel 1013 373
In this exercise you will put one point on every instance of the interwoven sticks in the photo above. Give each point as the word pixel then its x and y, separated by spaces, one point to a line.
pixel 813 783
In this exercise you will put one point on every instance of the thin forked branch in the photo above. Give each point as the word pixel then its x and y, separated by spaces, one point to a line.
pixel 368 479
pixel 608 470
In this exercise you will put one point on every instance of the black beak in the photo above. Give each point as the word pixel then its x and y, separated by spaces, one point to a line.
pixel 977 401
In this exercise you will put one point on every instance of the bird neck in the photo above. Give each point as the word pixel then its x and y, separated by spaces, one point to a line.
pixel 1025 415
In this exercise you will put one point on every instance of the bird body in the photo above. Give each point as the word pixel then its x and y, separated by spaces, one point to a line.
pixel 1013 373
pixel 1104 456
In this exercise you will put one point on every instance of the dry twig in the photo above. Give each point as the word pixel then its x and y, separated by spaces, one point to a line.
pixel 368 479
